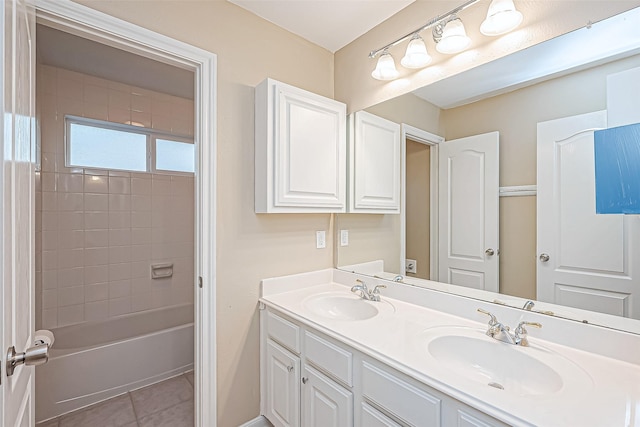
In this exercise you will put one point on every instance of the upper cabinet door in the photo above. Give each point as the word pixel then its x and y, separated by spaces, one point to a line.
pixel 300 157
pixel 374 165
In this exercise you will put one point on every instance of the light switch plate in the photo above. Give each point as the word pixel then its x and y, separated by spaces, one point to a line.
pixel 344 237
pixel 321 241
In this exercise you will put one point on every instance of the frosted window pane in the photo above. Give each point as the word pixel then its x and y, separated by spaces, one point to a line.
pixel 99 148
pixel 174 156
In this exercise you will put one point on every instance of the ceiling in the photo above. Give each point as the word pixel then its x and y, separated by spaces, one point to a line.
pixel 331 24
pixel 63 50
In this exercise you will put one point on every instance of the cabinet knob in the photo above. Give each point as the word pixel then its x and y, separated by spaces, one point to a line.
pixel 304 380
pixel 289 368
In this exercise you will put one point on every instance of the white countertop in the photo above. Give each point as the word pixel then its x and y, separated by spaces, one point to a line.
pixel 608 395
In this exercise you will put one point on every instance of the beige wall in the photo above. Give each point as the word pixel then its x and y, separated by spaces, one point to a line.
pixel 543 20
pixel 418 206
pixel 249 50
pixel 516 115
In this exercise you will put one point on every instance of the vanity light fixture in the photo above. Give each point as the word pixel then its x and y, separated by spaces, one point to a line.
pixel 385 68
pixel 502 17
pixel 448 33
pixel 416 55
pixel 451 36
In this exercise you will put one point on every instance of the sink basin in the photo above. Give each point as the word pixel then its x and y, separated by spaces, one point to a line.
pixel 524 371
pixel 344 306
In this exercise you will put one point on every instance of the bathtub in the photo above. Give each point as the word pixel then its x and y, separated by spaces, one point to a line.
pixel 94 361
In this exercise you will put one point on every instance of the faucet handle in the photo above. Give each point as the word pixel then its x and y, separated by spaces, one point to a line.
pixel 493 321
pixel 520 329
pixel 376 290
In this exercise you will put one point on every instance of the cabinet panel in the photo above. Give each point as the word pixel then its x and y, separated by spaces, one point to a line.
pixel 401 399
pixel 460 415
pixel 300 151
pixel 283 387
pixel 284 332
pixel 329 357
pixel 371 417
pixel 325 403
pixel 374 164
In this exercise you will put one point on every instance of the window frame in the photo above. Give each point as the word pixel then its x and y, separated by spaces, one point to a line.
pixel 151 136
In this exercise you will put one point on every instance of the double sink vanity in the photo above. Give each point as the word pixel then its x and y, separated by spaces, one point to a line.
pixel 334 352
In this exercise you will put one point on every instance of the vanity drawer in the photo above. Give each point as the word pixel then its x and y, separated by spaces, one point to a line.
pixel 283 332
pixel 371 417
pixel 399 398
pixel 328 357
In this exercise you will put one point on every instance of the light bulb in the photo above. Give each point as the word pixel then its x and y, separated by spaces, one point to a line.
pixel 416 55
pixel 385 68
pixel 454 38
pixel 502 17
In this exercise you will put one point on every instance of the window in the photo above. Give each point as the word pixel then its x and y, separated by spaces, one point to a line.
pixel 105 145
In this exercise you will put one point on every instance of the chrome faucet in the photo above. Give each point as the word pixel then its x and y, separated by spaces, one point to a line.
pixel 365 293
pixel 528 305
pixel 502 333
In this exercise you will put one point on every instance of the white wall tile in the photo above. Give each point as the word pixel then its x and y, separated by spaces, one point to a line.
pixel 119 271
pixel 96 274
pixel 70 296
pixel 119 219
pixel 69 258
pixel 96 256
pixel 97 310
pixel 50 279
pixel 140 269
pixel 119 202
pixel 49 298
pixel 119 185
pixel 70 315
pixel 120 237
pixel 141 203
pixel 141 219
pixel 50 318
pixel 96 183
pixel 119 254
pixel 119 289
pixel 71 239
pixel 68 277
pixel 140 253
pixel 96 220
pixel 140 236
pixel 96 238
pixel 141 186
pixel 70 201
pixel 70 183
pixel 96 202
pixel 96 292
pixel 119 306
pixel 70 220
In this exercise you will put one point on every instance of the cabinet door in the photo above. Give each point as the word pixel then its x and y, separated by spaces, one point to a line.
pixel 375 164
pixel 325 403
pixel 283 387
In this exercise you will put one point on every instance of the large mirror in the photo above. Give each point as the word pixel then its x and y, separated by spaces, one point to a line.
pixel 558 79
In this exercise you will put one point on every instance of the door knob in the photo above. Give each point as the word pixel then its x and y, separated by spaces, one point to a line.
pixel 490 252
pixel 36 355
pixel 544 257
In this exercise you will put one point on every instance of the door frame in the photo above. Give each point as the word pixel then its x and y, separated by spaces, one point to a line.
pixel 88 23
pixel 432 140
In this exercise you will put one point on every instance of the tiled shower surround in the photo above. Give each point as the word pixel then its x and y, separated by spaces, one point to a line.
pixel 98 232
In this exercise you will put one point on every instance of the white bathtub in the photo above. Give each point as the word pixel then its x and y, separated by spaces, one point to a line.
pixel 94 361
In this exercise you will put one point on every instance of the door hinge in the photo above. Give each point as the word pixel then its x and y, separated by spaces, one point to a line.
pixel 200 282
pixel 261 305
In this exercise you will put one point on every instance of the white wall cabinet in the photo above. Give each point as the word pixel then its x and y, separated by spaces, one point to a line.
pixel 374 164
pixel 300 151
pixel 312 380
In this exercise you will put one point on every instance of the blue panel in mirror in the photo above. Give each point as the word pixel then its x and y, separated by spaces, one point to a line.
pixel 617 159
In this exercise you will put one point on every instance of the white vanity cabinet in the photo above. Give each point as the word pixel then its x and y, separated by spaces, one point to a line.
pixel 311 380
pixel 300 151
pixel 307 379
pixel 374 164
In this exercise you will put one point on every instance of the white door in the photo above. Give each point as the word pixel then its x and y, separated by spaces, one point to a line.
pixel 17 207
pixel 468 211
pixel 325 403
pixel 584 260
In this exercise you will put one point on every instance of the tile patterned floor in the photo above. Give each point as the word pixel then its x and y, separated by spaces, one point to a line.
pixel 166 404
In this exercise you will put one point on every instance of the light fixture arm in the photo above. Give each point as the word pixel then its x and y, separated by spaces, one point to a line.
pixel 431 23
pixel 438 29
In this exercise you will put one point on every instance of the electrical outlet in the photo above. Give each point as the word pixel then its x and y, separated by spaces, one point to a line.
pixel 410 266
pixel 344 237
pixel 321 240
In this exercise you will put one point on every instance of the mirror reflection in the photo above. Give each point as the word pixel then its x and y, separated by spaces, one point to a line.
pixel 525 225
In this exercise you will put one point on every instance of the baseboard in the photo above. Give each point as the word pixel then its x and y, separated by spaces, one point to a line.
pixel 257 422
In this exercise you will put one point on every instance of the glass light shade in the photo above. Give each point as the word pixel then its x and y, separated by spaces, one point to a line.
pixel 385 68
pixel 502 17
pixel 454 38
pixel 416 55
